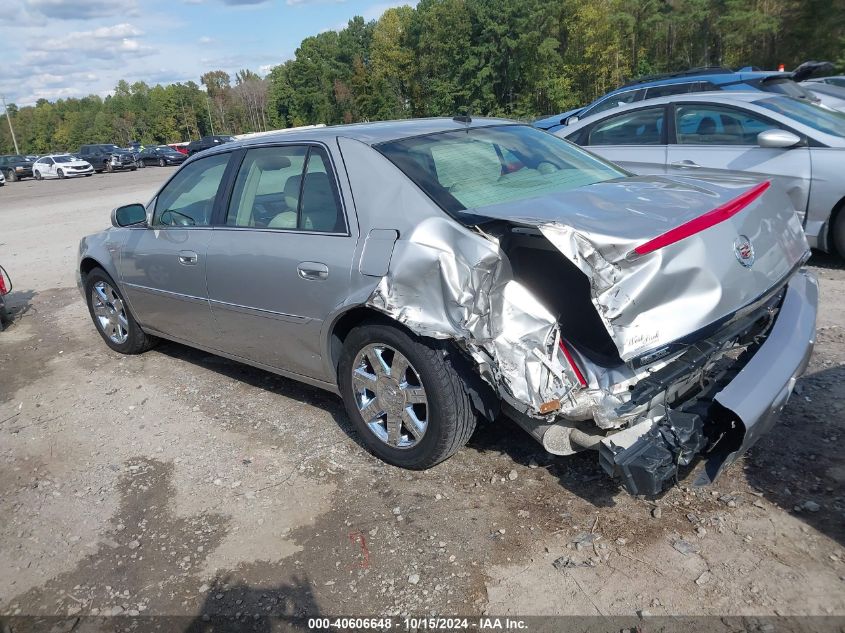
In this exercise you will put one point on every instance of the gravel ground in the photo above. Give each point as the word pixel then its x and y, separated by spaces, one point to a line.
pixel 180 483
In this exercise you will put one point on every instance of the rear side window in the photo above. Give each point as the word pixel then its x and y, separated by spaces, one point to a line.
pixel 643 127
pixel 188 199
pixel 670 89
pixel 288 187
pixel 715 125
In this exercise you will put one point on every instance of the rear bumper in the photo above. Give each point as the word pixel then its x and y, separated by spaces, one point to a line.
pixel 646 457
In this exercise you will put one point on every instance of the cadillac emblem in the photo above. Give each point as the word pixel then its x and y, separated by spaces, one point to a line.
pixel 744 251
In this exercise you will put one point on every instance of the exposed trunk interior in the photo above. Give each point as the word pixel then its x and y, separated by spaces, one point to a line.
pixel 563 289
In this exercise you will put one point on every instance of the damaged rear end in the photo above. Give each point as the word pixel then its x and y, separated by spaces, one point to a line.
pixel 654 320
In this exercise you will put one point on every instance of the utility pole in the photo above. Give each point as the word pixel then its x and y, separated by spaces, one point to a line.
pixel 9 119
pixel 210 120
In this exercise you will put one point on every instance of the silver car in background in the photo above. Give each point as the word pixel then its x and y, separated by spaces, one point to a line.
pixel 433 272
pixel 800 146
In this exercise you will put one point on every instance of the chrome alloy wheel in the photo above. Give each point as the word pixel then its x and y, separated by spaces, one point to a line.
pixel 110 312
pixel 390 396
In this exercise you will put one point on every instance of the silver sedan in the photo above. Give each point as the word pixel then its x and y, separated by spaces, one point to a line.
pixel 716 134
pixel 434 272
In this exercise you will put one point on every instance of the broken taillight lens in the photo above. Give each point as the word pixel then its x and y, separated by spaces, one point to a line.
pixel 571 362
pixel 702 222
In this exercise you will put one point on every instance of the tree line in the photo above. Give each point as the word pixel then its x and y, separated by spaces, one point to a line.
pixel 512 58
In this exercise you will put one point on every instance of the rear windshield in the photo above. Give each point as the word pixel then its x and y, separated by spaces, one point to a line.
pixel 786 86
pixel 811 115
pixel 478 167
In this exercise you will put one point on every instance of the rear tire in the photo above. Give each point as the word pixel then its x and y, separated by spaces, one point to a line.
pixel 37 175
pixel 111 306
pixel 433 375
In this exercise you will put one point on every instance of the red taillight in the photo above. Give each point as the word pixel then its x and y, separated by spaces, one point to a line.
pixel 702 222
pixel 572 364
pixel 3 289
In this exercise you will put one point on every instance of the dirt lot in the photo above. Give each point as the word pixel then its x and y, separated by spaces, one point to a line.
pixel 180 483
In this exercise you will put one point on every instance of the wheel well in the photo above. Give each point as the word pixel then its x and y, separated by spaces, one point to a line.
pixel 348 320
pixel 87 265
pixel 484 399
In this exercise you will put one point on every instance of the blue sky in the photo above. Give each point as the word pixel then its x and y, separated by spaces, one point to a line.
pixel 70 48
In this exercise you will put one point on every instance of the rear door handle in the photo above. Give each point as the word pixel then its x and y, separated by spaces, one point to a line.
pixel 312 270
pixel 685 164
pixel 187 258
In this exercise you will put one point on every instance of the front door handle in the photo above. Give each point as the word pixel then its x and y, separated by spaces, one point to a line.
pixel 312 270
pixel 685 164
pixel 187 258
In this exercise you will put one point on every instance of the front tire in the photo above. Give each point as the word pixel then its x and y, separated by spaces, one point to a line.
pixel 112 317
pixel 109 167
pixel 838 234
pixel 161 162
pixel 405 396
pixel 60 174
pixel 11 176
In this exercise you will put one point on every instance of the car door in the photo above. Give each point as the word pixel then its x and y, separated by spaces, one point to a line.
pixel 280 260
pixel 163 266
pixel 635 139
pixel 718 141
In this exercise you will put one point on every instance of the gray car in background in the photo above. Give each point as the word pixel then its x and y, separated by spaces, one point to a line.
pixel 437 271
pixel 800 146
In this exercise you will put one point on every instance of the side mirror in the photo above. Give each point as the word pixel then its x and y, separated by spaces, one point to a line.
pixel 571 119
pixel 129 215
pixel 777 139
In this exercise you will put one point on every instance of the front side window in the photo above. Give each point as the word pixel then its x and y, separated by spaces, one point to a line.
pixel 716 125
pixel 643 127
pixel 188 199
pixel 477 167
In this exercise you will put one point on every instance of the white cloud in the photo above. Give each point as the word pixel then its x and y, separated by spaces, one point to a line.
pixel 205 40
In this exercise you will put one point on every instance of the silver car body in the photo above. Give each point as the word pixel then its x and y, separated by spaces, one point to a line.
pixel 282 300
pixel 811 172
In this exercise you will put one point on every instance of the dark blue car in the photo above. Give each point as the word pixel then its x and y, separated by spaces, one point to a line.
pixel 695 80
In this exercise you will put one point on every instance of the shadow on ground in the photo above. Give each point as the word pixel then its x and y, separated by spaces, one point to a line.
pixel 799 464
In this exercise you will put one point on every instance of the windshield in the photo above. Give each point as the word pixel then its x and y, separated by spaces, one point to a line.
pixel 809 114
pixel 478 167
pixel 64 159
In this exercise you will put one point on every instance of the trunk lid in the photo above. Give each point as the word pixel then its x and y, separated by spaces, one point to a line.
pixel 653 302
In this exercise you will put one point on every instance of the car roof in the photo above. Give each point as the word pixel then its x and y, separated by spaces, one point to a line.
pixel 369 133
pixel 715 76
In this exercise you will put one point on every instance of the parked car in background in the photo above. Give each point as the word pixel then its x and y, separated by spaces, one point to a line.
pixel 182 148
pixel 15 167
pixel 684 82
pixel 162 155
pixel 107 157
pixel 484 266
pixel 207 142
pixel 838 80
pixel 2 179
pixel 60 166
pixel 797 144
pixel 831 95
pixel 136 155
